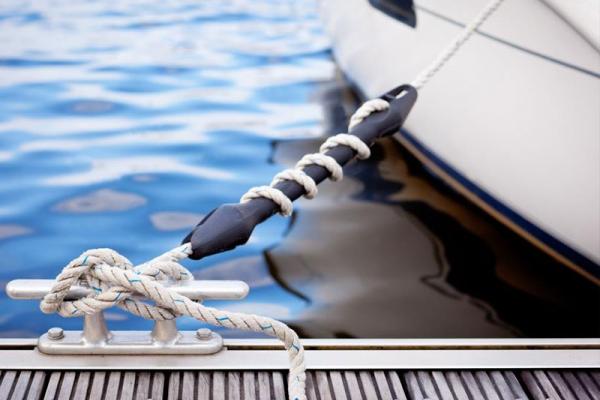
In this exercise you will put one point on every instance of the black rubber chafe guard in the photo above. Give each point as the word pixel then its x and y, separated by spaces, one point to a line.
pixel 231 225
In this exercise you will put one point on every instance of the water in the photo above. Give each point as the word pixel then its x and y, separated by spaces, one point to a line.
pixel 122 124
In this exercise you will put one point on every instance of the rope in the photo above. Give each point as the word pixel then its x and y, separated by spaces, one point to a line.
pixel 455 45
pixel 361 150
pixel 268 192
pixel 336 172
pixel 115 281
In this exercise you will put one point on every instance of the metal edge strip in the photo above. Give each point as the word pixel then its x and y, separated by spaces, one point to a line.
pixel 315 360
pixel 383 344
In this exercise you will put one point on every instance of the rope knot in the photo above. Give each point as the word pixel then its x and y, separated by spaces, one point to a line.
pixel 112 280
pixel 115 281
pixel 80 271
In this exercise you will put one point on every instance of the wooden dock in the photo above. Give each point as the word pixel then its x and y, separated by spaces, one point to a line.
pixel 338 369
pixel 322 385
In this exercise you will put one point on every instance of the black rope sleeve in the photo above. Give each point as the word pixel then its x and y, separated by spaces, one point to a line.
pixel 230 225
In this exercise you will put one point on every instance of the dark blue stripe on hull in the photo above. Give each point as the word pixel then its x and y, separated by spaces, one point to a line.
pixel 548 240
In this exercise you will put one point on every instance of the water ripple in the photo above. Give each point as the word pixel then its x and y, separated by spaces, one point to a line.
pixel 122 123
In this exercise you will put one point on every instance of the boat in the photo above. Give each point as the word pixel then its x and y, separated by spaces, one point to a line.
pixel 511 121
pixel 98 362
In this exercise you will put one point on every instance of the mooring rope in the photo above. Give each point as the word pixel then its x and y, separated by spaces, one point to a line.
pixel 115 280
pixel 451 50
pixel 360 148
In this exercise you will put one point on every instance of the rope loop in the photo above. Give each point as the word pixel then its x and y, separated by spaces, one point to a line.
pixel 114 281
pixel 366 109
pixel 300 177
pixel 335 170
pixel 360 148
pixel 268 192
pixel 327 162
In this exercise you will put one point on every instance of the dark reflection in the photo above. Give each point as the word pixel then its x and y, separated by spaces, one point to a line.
pixel 393 252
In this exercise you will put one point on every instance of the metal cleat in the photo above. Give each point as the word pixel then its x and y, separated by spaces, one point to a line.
pixel 96 338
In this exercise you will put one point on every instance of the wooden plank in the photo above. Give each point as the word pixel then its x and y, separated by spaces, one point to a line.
pixel 382 385
pixel 412 385
pixel 470 384
pixel 142 391
pixel 503 388
pixel 442 385
pixel 560 385
pixel 158 384
pixel 509 385
pixel 311 390
pixel 588 382
pixel 66 386
pixel 8 381
pixel 337 383
pixel 278 386
pixel 218 386
pixel 353 385
pixel 457 386
pixel 485 383
pixel 81 386
pixel 21 386
pixel 128 385
pixel 596 376
pixel 173 386
pixel 322 385
pixel 234 385
pixel 576 386
pixel 249 385
pixel 264 386
pixel 532 386
pixel 538 385
pixel 36 386
pixel 203 380
pixel 427 385
pixel 97 390
pixel 188 385
pixel 112 386
pixel 367 384
pixel 397 387
pixel 52 387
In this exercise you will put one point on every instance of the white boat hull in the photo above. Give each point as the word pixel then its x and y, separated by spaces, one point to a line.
pixel 512 121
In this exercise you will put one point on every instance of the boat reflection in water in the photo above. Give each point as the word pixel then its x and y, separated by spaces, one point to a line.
pixel 392 252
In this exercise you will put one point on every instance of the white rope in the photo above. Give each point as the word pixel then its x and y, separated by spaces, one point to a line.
pixel 268 192
pixel 455 45
pixel 354 142
pixel 115 281
pixel 366 109
pixel 300 177
pixel 336 172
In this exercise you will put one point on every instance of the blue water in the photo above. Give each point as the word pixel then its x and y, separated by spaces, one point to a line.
pixel 121 123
